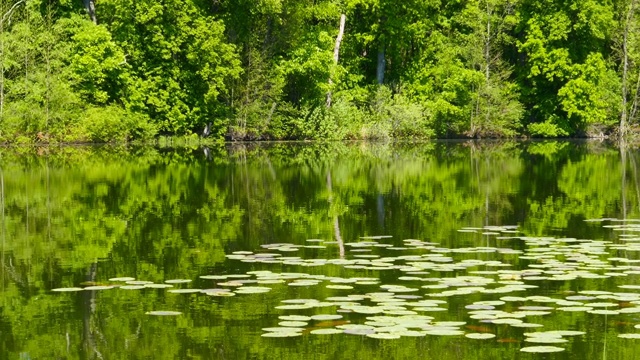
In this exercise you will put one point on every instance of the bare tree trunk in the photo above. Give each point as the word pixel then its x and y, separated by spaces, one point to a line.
pixel 336 53
pixel 381 65
pixel 91 10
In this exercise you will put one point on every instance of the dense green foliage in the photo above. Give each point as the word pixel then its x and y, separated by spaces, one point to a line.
pixel 273 69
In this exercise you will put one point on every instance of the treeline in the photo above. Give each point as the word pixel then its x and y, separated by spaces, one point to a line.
pixel 117 70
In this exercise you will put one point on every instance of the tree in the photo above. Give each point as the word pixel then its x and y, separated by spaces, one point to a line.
pixel 495 110
pixel 180 61
pixel 563 74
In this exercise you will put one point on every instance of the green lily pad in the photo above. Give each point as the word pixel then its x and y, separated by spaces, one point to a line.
pixel 98 287
pixel 294 324
pixel 252 290
pixel 69 289
pixel 281 334
pixel 220 293
pixel 326 331
pixel 480 336
pixel 545 340
pixel 326 317
pixel 339 287
pixel 443 332
pixel 163 313
pixel 185 291
pixel 542 349
pixel 604 312
pixel 157 286
pixel 177 281
pixel 139 282
pixel 294 307
pixel 388 336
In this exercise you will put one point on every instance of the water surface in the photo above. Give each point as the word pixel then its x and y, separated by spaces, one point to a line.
pixel 404 241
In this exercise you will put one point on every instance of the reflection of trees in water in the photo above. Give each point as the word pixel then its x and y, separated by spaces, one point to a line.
pixel 169 214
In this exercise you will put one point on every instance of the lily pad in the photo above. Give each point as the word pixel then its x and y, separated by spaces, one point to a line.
pixel 542 349
pixel 98 287
pixel 383 336
pixel 326 317
pixel 443 332
pixel 480 336
pixel 545 340
pixel 294 324
pixel 326 331
pixel 185 291
pixel 156 286
pixel 69 289
pixel 177 281
pixel 163 313
pixel 281 334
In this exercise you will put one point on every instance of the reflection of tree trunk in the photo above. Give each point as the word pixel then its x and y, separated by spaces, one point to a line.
pixel 380 210
pixel 623 160
pixel 486 196
pixel 89 307
pixel 336 223
pixel 248 191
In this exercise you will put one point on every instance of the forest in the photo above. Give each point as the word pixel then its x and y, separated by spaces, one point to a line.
pixel 76 71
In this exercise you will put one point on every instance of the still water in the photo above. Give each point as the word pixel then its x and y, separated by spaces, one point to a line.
pixel 438 250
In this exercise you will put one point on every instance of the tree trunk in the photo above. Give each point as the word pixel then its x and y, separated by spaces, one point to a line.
pixel 381 65
pixel 91 10
pixel 336 53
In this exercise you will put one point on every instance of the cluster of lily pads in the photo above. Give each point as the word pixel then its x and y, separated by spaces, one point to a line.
pixel 400 310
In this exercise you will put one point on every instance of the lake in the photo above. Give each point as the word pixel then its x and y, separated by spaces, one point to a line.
pixel 436 250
